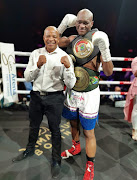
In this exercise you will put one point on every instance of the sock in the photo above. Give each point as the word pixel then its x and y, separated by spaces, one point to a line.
pixel 90 158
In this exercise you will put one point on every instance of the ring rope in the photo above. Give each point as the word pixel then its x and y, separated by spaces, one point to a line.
pixel 114 69
pixel 101 92
pixel 100 82
pixel 20 53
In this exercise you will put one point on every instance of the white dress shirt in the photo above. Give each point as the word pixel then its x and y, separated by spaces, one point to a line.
pixel 52 75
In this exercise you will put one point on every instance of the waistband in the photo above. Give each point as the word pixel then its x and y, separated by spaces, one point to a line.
pixel 43 93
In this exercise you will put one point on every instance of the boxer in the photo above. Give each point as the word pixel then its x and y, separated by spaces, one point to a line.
pixel 88 49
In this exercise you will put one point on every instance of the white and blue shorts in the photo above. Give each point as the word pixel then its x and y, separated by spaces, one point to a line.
pixel 82 105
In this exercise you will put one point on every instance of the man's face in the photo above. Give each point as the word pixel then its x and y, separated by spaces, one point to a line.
pixel 51 39
pixel 84 24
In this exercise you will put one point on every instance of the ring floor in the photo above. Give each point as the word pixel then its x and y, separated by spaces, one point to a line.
pixel 116 157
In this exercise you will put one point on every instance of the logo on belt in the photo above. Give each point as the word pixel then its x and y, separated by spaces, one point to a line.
pixel 83 48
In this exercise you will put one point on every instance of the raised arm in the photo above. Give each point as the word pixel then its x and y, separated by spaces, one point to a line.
pixel 65 41
pixel 69 75
pixel 68 21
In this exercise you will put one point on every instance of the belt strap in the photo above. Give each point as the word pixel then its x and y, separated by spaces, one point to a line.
pixel 43 93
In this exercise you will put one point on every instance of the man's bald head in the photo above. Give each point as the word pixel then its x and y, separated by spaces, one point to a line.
pixel 86 12
pixel 51 28
pixel 51 38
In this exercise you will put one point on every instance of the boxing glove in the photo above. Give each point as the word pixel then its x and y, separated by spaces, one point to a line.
pixel 101 40
pixel 68 21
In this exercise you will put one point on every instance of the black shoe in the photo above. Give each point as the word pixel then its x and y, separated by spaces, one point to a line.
pixel 24 155
pixel 55 169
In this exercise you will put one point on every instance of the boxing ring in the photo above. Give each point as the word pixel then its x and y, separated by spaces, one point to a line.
pixel 116 152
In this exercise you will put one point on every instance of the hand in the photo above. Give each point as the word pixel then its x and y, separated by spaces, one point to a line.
pixel 65 61
pixel 68 21
pixel 101 40
pixel 41 61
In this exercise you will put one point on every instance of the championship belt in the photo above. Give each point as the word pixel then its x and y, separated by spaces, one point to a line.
pixel 82 77
pixel 87 79
pixel 83 48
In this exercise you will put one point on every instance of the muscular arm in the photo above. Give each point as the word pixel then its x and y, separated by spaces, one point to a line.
pixel 65 41
pixel 107 67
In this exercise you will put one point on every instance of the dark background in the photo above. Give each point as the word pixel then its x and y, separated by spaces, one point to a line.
pixel 22 22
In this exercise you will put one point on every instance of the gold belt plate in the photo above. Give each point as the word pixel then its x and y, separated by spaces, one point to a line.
pixel 83 48
pixel 83 79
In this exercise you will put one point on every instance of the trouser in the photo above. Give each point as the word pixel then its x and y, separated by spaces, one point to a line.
pixel 134 113
pixel 51 105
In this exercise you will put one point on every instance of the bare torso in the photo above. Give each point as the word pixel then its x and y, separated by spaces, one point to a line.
pixel 93 64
